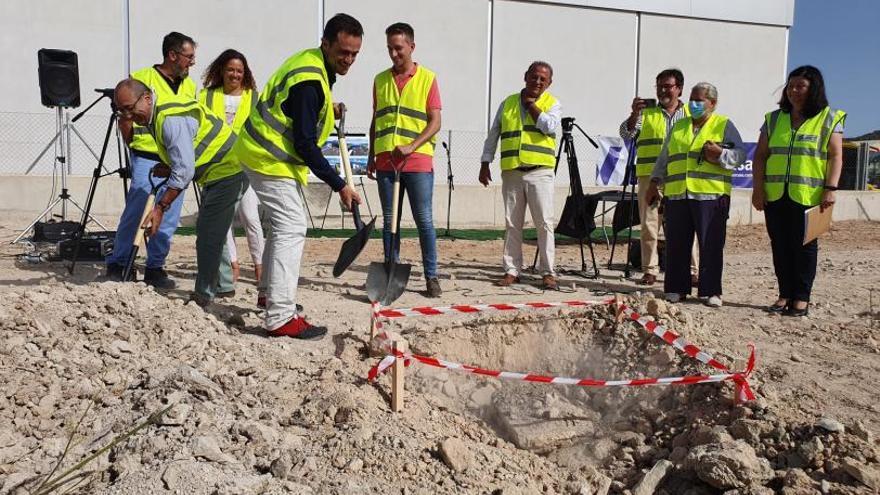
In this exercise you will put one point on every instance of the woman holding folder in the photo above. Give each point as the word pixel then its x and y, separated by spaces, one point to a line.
pixel 797 166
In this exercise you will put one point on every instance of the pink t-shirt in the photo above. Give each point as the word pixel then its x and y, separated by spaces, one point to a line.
pixel 418 162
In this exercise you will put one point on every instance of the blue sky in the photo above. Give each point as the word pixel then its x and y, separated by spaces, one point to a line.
pixel 840 38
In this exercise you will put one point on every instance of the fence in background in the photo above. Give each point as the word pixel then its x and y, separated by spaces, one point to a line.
pixel 24 135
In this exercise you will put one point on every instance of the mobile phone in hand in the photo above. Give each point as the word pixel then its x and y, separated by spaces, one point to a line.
pixel 649 102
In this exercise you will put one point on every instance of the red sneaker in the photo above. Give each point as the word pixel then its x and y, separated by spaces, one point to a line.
pixel 261 303
pixel 299 328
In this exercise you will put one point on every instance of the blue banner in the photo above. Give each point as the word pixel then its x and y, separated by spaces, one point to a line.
pixel 742 175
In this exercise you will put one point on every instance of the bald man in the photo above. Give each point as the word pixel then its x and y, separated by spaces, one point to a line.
pixel 194 144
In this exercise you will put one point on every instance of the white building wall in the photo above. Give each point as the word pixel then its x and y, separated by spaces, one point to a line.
pixel 451 40
pixel 745 62
pixel 593 57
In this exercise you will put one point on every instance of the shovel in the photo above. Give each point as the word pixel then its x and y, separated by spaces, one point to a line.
pixel 140 235
pixel 387 281
pixel 353 246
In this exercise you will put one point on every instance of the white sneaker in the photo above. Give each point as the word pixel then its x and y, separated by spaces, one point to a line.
pixel 714 302
pixel 673 297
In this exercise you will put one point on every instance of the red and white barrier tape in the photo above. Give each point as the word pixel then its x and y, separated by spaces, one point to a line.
pixel 743 390
pixel 387 361
pixel 477 308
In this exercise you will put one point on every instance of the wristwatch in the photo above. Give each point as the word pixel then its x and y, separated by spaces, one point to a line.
pixel 829 188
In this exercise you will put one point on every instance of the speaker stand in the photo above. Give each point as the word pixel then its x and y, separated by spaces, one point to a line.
pixel 63 128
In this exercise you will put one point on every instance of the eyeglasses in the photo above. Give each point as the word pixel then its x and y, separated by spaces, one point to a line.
pixel 126 111
pixel 666 87
pixel 190 57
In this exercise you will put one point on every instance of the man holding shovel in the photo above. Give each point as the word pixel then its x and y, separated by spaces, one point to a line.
pixel 192 144
pixel 278 145
pixel 406 118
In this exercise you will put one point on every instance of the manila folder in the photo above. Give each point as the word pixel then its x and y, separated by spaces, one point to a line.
pixel 816 222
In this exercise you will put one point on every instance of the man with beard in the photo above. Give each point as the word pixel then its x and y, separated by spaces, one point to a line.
pixel 170 79
pixel 279 144
pixel 526 123
pixel 650 125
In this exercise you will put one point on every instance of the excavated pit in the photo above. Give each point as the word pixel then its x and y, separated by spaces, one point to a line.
pixel 572 425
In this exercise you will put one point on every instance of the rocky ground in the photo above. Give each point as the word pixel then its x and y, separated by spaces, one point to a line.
pixel 249 414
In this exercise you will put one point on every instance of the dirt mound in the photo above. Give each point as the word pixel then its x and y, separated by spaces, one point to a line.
pixel 248 414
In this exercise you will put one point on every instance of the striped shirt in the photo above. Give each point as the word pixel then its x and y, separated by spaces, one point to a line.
pixel 625 133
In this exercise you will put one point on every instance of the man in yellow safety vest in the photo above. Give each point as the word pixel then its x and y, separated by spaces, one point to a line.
pixel 406 118
pixel 526 123
pixel 279 145
pixel 168 79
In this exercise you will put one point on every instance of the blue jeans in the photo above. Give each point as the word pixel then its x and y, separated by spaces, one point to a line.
pixel 420 186
pixel 135 202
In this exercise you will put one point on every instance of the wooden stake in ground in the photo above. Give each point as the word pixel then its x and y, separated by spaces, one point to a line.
pixel 397 375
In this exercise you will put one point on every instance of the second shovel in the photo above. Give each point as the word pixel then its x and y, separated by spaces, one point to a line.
pixel 387 281
pixel 353 246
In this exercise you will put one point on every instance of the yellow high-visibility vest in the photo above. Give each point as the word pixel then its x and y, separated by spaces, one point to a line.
pixel 799 157
pixel 214 99
pixel 264 143
pixel 141 138
pixel 651 139
pixel 522 144
pixel 683 172
pixel 213 142
pixel 402 115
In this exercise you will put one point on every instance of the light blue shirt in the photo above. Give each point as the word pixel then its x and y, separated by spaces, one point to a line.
pixel 178 134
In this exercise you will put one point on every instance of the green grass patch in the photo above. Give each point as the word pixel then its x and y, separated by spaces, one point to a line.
pixel 412 233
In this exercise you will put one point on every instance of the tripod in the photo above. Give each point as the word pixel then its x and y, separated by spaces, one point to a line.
pixel 582 224
pixel 628 182
pixel 100 171
pixel 63 127
pixel 450 186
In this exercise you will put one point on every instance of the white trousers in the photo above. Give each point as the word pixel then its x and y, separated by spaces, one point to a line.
pixel 535 190
pixel 249 215
pixel 282 200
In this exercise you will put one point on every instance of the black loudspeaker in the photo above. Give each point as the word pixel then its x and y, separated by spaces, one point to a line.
pixel 59 77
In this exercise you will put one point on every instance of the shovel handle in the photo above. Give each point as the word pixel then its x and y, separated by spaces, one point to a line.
pixel 346 160
pixel 395 199
pixel 356 214
pixel 343 149
pixel 140 232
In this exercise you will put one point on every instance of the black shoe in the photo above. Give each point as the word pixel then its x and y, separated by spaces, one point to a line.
pixel 434 287
pixel 312 333
pixel 158 278
pixel 114 273
pixel 792 311
pixel 773 308
pixel 222 295
pixel 200 300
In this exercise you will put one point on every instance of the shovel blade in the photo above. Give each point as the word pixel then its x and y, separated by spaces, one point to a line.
pixel 398 277
pixel 387 281
pixel 352 247
pixel 377 281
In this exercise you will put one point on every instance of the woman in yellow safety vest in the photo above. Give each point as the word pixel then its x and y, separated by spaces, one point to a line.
pixel 797 166
pixel 230 91
pixel 696 167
